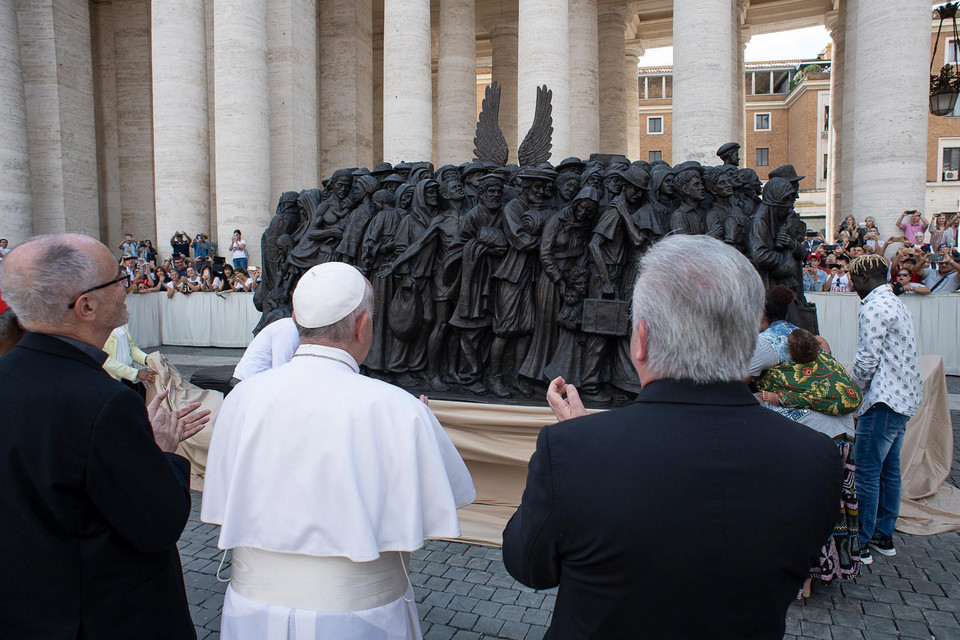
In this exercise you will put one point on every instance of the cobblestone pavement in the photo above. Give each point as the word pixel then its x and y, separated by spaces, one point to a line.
pixel 464 593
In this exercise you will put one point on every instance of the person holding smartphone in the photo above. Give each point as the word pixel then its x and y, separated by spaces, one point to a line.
pixel 238 247
pixel 940 272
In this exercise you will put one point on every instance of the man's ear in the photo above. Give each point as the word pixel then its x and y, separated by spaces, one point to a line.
pixel 639 343
pixel 359 332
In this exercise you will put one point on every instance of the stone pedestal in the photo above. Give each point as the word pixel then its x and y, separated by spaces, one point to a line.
pixel 16 200
pixel 346 85
pixel 407 89
pixel 704 89
pixel 180 136
pixel 584 78
pixel 503 41
pixel 243 125
pixel 543 58
pixel 456 82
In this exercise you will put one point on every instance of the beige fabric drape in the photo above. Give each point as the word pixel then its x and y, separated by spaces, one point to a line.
pixel 496 442
pixel 181 394
pixel 929 504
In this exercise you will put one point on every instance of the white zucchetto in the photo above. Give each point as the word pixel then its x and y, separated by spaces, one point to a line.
pixel 327 293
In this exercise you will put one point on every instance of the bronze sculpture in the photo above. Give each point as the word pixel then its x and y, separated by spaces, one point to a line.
pixel 491 279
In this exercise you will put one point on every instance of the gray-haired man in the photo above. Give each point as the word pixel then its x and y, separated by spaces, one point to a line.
pixel 668 518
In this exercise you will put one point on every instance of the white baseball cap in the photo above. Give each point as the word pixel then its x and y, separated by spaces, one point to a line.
pixel 328 293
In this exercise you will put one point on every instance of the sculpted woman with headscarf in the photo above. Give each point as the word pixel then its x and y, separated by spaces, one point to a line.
pixel 563 246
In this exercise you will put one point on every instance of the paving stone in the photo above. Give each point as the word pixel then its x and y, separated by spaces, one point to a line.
pixel 889 596
pixel 928 588
pixel 530 600
pixel 487 608
pixel 847 619
pixel 875 625
pixel 463 620
pixel 511 613
pixel 910 629
pixel 466 635
pixel 482 592
pixel 438 599
pixel 917 600
pixel 877 609
pixel 816 614
pixel 846 633
pixel 438 615
pixel 815 629
pixel 903 612
pixel 439 632
pixel 536 616
pixel 488 626
pixel 945 633
pixel 941 619
pixel 478 577
pixel 506 596
pixel 514 630
pixel 536 633
pixel 463 603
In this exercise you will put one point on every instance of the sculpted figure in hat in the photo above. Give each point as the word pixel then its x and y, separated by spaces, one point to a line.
pixel 481 243
pixel 514 309
pixel 730 154
pixel 748 190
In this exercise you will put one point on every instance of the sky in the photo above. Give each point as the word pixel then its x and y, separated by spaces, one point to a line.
pixel 785 45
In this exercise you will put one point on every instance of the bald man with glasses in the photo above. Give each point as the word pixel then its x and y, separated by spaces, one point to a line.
pixel 94 498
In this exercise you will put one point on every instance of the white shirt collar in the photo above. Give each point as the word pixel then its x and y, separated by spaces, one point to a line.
pixel 330 354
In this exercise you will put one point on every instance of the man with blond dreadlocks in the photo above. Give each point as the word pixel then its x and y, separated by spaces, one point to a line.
pixel 887 368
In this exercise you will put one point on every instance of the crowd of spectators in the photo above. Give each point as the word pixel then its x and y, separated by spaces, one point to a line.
pixel 925 262
pixel 193 267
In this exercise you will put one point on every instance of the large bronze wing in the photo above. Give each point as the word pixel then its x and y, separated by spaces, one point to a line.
pixel 489 144
pixel 535 148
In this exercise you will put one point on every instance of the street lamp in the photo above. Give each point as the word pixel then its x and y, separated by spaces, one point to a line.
pixel 945 87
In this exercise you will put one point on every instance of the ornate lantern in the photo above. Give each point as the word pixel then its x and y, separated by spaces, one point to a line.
pixel 945 87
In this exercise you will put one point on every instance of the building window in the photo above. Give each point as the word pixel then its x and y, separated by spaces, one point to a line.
pixel 761 122
pixel 951 164
pixel 654 156
pixel 826 166
pixel 950 51
pixel 654 124
pixel 763 157
pixel 826 118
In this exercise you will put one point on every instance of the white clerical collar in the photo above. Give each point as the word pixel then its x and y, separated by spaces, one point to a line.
pixel 330 354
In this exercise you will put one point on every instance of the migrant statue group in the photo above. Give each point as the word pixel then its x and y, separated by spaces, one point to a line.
pixel 491 278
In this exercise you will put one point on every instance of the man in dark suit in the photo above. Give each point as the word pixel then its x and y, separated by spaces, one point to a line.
pixel 92 497
pixel 693 512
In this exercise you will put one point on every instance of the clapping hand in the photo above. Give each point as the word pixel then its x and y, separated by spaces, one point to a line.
pixel 564 400
pixel 170 428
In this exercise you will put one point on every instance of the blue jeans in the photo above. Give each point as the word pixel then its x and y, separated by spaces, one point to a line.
pixel 877 452
pixel 240 263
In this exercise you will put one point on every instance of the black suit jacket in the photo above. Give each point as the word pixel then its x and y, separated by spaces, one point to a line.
pixel 90 508
pixel 693 513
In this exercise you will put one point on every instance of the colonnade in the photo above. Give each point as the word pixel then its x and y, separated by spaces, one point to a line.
pixel 151 117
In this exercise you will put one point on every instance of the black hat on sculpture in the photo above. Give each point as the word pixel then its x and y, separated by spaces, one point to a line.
pixel 470 167
pixel 571 164
pixel 382 169
pixel 727 148
pixel 392 178
pixel 636 176
pixel 787 172
pixel 689 164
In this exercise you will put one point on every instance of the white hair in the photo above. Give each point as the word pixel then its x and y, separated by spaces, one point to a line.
pixel 702 311
pixel 340 331
pixel 41 291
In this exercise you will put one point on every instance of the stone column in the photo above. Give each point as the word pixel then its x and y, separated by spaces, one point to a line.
pixel 346 84
pixel 704 93
pixel 503 41
pixel 456 82
pixel 407 88
pixel 292 88
pixel 584 78
pixel 543 58
pixel 132 51
pixel 16 200
pixel 377 99
pixel 889 126
pixel 105 116
pixel 631 96
pixel 846 140
pixel 180 136
pixel 57 67
pixel 836 23
pixel 242 121
pixel 614 125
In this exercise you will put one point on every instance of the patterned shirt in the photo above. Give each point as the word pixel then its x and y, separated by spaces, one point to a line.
pixel 887 366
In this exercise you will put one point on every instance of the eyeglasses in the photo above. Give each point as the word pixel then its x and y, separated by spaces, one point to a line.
pixel 904 275
pixel 125 279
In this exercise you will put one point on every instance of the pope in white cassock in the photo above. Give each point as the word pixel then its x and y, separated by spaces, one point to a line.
pixel 323 481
